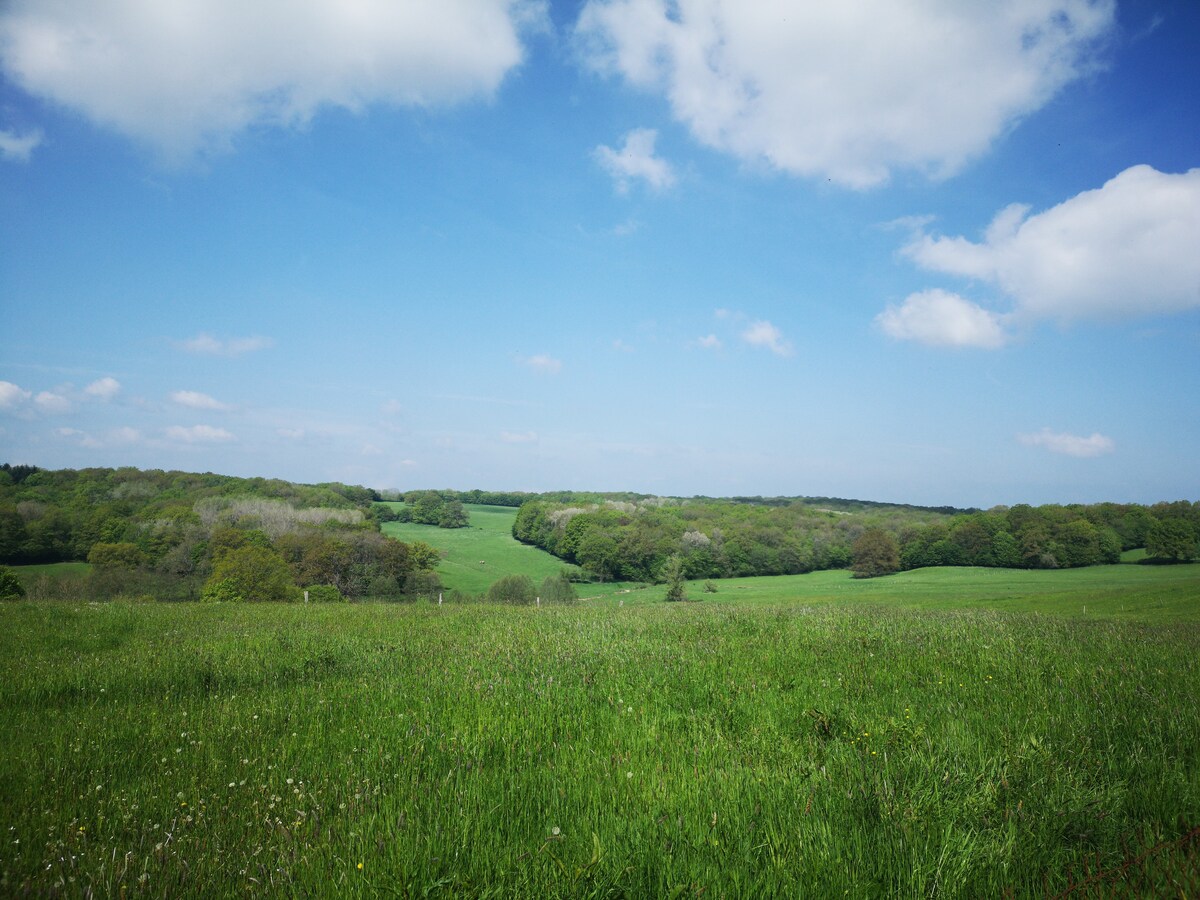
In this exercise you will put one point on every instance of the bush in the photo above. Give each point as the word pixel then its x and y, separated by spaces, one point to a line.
pixel 10 585
pixel 251 573
pixel 558 589
pixel 512 589
pixel 223 591
pixel 324 593
pixel 423 583
pixel 116 556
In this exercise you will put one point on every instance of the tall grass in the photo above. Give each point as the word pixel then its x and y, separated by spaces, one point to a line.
pixel 691 749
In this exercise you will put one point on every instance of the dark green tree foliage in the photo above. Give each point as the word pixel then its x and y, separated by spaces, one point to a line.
pixel 675 578
pixel 10 585
pixel 1172 540
pixel 123 555
pixel 440 508
pixel 876 553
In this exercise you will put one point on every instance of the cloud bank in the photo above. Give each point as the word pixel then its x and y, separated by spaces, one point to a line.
pixel 188 74
pixel 848 91
pixel 1126 249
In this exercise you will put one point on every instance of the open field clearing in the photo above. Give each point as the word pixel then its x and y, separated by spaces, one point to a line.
pixel 756 748
pixel 1141 593
pixel 486 551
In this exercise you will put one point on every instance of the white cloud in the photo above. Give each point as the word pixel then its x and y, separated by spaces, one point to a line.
pixel 941 319
pixel 849 90
pixel 290 434
pixel 198 434
pixel 52 403
pixel 709 342
pixel 763 334
pixel 116 436
pixel 523 437
pixel 621 347
pixel 103 388
pixel 191 74
pixel 197 400
pixel 16 147
pixel 1069 444
pixel 1126 249
pixel 208 345
pixel 12 396
pixel 635 160
pixel 542 363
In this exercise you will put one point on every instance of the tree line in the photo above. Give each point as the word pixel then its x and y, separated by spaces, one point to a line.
pixel 637 540
pixel 178 535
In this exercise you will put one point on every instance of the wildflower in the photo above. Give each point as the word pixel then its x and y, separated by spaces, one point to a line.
pixel 360 867
pixel 556 831
pixel 628 774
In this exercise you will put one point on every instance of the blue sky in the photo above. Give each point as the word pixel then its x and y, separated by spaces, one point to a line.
pixel 927 253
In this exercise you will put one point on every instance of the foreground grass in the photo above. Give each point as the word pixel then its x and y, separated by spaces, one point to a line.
pixel 486 551
pixel 751 749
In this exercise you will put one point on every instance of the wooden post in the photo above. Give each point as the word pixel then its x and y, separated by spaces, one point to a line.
pixel 306 596
pixel 439 598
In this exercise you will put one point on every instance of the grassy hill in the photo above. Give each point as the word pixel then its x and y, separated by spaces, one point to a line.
pixel 486 551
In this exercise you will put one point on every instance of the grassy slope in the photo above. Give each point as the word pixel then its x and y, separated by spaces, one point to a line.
pixel 488 538
pixel 1143 593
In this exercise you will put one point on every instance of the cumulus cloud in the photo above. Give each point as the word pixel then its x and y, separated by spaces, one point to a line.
pixel 51 403
pixel 207 345
pixel 12 396
pixel 762 333
pixel 519 437
pixel 193 73
pixel 853 90
pixel 636 160
pixel 709 342
pixel 1128 248
pixel 941 319
pixel 1069 444
pixel 542 363
pixel 197 400
pixel 103 388
pixel 198 434
pixel 16 147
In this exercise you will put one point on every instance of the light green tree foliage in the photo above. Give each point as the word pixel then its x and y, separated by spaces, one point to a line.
pixel 875 553
pixel 251 573
pixel 512 589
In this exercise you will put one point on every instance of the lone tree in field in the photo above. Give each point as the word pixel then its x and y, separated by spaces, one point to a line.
pixel 674 577
pixel 875 553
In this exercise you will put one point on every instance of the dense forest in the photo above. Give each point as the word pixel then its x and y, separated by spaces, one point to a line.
pixel 634 539
pixel 181 535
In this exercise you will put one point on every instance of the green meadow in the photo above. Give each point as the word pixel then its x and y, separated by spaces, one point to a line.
pixel 485 551
pixel 934 734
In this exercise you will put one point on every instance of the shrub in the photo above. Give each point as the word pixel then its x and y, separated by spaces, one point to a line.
pixel 116 556
pixel 512 589
pixel 558 589
pixel 252 573
pixel 10 585
pixel 324 593
pixel 423 583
